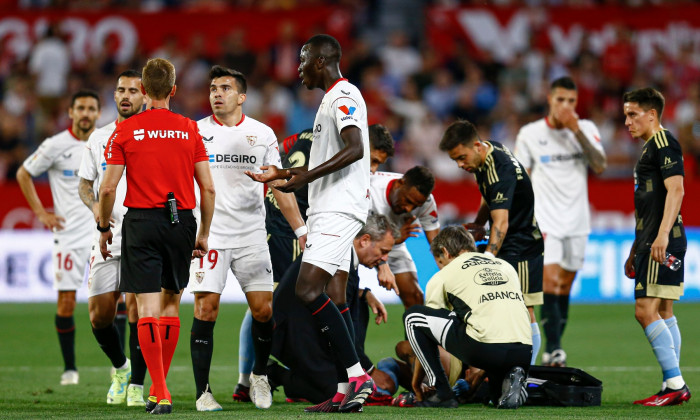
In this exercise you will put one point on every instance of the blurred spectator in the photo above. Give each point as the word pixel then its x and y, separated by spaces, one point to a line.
pixel 236 55
pixel 50 64
pixel 399 57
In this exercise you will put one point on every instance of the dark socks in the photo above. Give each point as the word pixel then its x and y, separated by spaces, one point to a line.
pixel 332 325
pixel 564 311
pixel 550 318
pixel 138 365
pixel 65 326
pixel 108 339
pixel 262 342
pixel 201 350
pixel 120 323
pixel 345 312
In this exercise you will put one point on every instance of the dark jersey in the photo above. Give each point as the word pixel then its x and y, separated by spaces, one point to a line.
pixel 505 184
pixel 297 149
pixel 661 158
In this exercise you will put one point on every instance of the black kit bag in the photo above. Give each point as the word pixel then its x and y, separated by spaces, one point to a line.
pixel 562 386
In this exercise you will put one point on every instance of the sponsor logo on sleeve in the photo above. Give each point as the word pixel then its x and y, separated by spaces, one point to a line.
pixel 347 111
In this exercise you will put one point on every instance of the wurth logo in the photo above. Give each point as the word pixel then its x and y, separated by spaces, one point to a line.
pixel 160 134
pixel 138 134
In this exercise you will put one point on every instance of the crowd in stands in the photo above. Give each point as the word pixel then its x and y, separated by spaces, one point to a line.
pixel 409 87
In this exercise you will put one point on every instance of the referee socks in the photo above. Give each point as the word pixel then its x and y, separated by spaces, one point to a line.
pixel 152 349
pixel 169 334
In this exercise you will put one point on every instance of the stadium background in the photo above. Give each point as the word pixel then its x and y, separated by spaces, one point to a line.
pixel 420 65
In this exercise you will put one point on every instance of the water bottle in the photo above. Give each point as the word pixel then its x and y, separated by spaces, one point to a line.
pixel 672 262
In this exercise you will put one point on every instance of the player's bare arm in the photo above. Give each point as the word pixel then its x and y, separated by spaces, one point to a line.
pixel 108 193
pixel 26 184
pixel 290 210
pixel 482 216
pixel 431 234
pixel 499 227
pixel 672 206
pixel 596 159
pixel 202 174
pixel 352 152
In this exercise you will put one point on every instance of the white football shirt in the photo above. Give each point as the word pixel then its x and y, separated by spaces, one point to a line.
pixel 92 168
pixel 346 190
pixel 60 156
pixel 239 212
pixel 380 183
pixel 559 175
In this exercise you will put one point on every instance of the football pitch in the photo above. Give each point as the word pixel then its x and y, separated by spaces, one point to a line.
pixel 604 340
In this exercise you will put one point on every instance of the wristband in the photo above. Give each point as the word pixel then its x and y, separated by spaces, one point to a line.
pixel 103 229
pixel 301 231
pixel 489 254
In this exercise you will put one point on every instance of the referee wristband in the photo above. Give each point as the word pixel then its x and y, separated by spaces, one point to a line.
pixel 301 231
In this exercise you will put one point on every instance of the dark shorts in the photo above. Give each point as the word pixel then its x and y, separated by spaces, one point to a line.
pixel 155 253
pixel 283 252
pixel 655 280
pixel 530 275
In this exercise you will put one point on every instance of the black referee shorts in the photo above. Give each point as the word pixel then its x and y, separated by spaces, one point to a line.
pixel 283 252
pixel 155 253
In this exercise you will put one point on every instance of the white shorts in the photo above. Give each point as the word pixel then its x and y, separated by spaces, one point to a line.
pixel 567 252
pixel 103 276
pixel 251 265
pixel 400 260
pixel 69 267
pixel 329 241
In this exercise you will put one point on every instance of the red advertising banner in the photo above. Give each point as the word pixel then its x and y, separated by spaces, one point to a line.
pixel 504 32
pixel 128 33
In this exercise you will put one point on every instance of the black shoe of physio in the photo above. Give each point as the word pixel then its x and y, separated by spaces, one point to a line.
pixel 435 402
pixel 513 393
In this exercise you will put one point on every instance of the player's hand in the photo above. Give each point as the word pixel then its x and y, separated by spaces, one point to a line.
pixel 408 229
pixel 271 173
pixel 297 181
pixel 302 241
pixel 569 119
pixel 201 247
pixel 51 221
pixel 105 238
pixel 658 248
pixel 386 278
pixel 478 231
pixel 377 308
pixel 629 267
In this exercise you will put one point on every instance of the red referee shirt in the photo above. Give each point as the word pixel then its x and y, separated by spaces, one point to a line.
pixel 159 149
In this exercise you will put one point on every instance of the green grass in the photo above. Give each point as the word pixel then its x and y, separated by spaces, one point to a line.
pixel 604 340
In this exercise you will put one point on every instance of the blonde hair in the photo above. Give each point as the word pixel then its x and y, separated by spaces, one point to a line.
pixel 158 78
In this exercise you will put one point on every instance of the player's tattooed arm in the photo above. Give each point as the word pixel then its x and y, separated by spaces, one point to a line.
pixel 87 192
pixel 596 159
pixel 499 227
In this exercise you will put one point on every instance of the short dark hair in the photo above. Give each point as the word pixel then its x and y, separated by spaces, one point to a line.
pixel 85 93
pixel 380 139
pixel 327 46
pixel 647 98
pixel 221 71
pixel 131 73
pixel 459 132
pixel 421 178
pixel 565 82
pixel 158 78
pixel 454 239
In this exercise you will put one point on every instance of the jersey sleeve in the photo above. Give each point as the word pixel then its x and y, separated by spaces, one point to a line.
pixel 41 160
pixel 428 215
pixel 347 113
pixel 669 155
pixel 200 151
pixel 435 294
pixel 88 166
pixel 521 150
pixel 500 193
pixel 114 152
pixel 272 155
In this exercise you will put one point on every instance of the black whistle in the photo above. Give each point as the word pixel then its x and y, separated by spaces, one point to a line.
pixel 171 205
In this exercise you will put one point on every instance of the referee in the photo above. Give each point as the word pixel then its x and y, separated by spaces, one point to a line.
pixel 163 152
